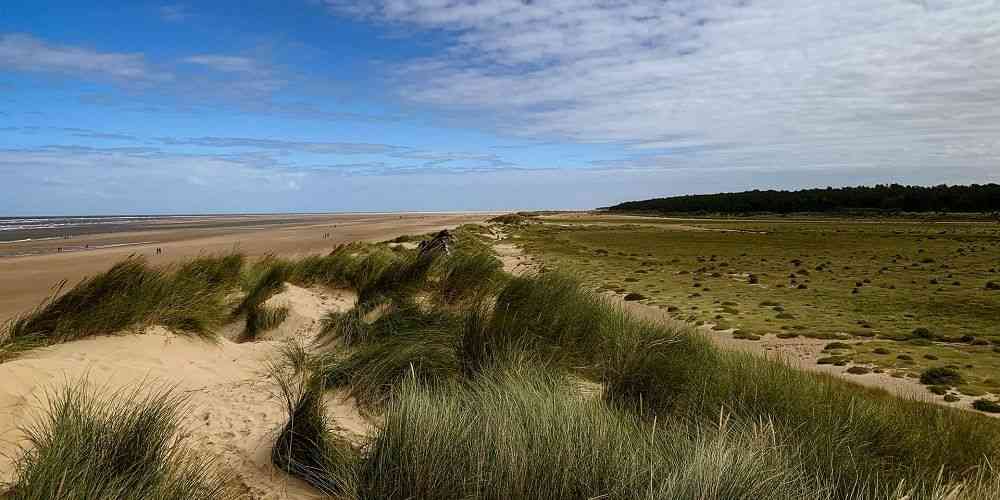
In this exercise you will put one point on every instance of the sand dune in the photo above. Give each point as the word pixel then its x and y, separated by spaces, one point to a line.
pixel 234 412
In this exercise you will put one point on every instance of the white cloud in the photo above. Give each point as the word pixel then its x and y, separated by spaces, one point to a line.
pixel 174 13
pixel 726 83
pixel 229 64
pixel 26 53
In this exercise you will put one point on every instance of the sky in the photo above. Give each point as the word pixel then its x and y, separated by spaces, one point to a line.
pixel 146 107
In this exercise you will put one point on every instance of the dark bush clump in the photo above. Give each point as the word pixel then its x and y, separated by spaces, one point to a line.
pixel 941 375
pixel 986 405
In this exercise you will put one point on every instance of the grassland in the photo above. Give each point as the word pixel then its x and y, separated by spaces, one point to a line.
pixel 916 290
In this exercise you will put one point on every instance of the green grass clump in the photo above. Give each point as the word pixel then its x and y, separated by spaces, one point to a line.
pixel 525 434
pixel 348 327
pixel 464 275
pixel 397 273
pixel 306 447
pixel 552 316
pixel 333 269
pixel 265 279
pixel 188 298
pixel 123 447
pixel 372 373
pixel 509 219
pixel 865 434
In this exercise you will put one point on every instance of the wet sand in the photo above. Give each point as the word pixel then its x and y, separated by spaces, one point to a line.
pixel 28 279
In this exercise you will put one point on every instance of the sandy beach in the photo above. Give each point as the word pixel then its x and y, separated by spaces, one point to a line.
pixel 26 280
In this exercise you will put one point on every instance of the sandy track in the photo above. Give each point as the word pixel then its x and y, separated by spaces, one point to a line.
pixel 25 281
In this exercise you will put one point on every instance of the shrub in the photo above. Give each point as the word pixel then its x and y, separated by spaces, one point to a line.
pixel 941 376
pixel 832 360
pixel 509 219
pixel 634 296
pixel 881 350
pixel 836 345
pixel 986 405
pixel 858 370
pixel 923 333
pixel 126 446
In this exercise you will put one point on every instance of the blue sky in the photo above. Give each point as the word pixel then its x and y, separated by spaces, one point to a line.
pixel 309 105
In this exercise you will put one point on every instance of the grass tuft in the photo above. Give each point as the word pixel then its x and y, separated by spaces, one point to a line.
pixel 306 446
pixel 122 447
pixel 190 298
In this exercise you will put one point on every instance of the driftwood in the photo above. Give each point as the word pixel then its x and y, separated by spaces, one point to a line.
pixel 440 243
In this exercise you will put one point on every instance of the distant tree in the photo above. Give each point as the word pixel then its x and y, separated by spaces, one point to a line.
pixel 883 197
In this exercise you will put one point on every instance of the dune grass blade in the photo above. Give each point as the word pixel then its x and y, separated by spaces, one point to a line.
pixel 526 435
pixel 306 447
pixel 375 371
pixel 468 275
pixel 552 316
pixel 122 447
pixel 349 327
pixel 266 279
pixel 866 436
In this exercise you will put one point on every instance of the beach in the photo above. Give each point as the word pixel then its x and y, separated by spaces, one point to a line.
pixel 32 270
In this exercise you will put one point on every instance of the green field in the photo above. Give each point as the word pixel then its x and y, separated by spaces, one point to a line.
pixel 915 289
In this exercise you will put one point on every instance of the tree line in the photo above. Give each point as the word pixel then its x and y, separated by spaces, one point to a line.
pixel 882 197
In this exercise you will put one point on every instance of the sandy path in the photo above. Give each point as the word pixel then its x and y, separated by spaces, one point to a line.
pixel 234 410
pixel 25 281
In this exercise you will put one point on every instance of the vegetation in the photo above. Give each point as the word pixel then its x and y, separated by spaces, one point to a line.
pixel 189 298
pixel 447 393
pixel 123 447
pixel 488 386
pixel 306 447
pixel 699 271
pixel 941 376
pixel 265 279
pixel 892 197
pixel 524 434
